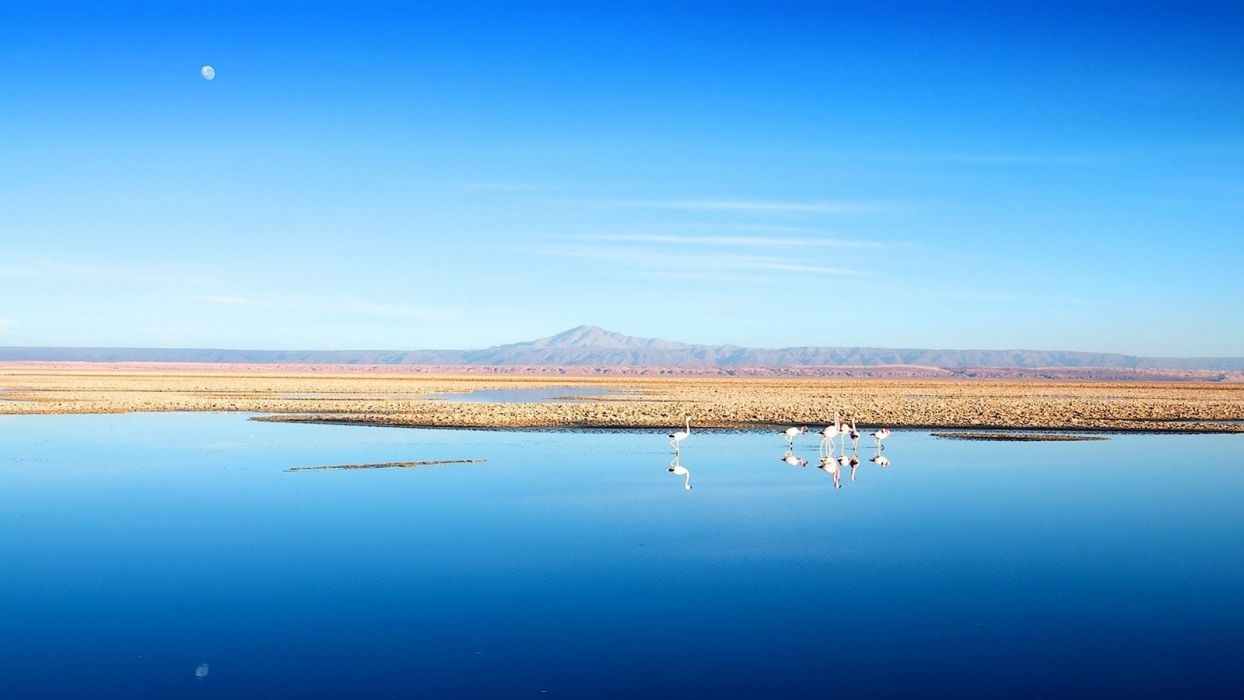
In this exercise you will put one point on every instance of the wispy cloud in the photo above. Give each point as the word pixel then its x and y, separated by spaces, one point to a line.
pixel 224 300
pixel 742 279
pixel 347 307
pixel 497 186
pixel 756 206
pixel 1005 298
pixel 706 262
pixel 56 269
pixel 48 269
pixel 1036 159
pixel 741 241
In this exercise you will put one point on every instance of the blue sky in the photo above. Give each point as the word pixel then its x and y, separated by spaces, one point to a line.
pixel 988 175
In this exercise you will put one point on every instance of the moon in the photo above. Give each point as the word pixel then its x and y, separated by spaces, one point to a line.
pixel 207 72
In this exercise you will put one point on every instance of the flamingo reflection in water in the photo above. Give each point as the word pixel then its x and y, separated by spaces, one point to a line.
pixel 829 465
pixel 793 460
pixel 679 470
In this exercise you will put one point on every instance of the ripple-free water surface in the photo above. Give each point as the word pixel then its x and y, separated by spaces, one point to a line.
pixel 170 555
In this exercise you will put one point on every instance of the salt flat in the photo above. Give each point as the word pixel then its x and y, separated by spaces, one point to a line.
pixel 330 394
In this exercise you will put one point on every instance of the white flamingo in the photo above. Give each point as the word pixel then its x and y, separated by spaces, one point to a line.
pixel 881 435
pixel 793 460
pixel 792 433
pixel 827 439
pixel 854 434
pixel 677 437
pixel 842 429
pixel 881 460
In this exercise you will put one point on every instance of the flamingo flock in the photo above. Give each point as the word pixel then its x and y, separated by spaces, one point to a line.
pixel 833 438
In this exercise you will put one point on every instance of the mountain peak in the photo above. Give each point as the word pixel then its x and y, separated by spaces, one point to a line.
pixel 586 336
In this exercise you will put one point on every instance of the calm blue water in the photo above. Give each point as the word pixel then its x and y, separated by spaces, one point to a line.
pixel 136 548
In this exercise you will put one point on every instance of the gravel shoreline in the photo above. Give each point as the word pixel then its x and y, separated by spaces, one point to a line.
pixel 637 402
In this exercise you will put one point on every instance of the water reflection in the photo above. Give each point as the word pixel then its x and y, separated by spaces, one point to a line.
pixel 794 460
pixel 679 470
pixel 127 496
pixel 830 466
pixel 833 457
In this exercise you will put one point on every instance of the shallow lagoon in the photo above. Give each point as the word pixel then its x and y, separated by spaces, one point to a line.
pixel 137 548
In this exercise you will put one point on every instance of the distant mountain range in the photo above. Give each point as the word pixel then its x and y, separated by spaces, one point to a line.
pixel 593 346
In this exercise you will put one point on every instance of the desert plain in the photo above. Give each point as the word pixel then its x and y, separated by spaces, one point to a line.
pixel 371 395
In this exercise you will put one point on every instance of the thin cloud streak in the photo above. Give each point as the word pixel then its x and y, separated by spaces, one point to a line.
pixel 742 278
pixel 361 308
pixel 682 261
pixel 498 186
pixel 1001 297
pixel 756 206
pixel 54 269
pixel 752 241
pixel 241 301
pixel 1009 159
pixel 45 269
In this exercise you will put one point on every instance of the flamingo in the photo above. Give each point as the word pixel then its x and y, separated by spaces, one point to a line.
pixel 855 436
pixel 830 466
pixel 841 428
pixel 794 461
pixel 881 435
pixel 791 433
pixel 827 436
pixel 677 437
pixel 881 460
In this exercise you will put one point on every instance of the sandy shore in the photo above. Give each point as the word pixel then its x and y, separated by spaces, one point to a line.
pixel 311 394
